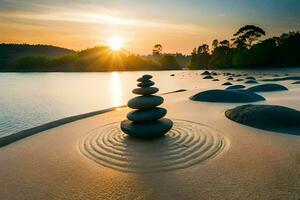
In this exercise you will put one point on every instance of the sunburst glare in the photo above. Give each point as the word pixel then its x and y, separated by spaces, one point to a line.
pixel 116 43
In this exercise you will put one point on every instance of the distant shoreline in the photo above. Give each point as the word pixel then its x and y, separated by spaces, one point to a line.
pixel 93 71
pixel 202 69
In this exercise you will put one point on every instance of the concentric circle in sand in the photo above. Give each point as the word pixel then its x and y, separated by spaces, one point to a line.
pixel 187 144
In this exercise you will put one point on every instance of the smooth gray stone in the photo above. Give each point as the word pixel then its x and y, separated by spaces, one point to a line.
pixel 270 87
pixel 268 117
pixel 145 84
pixel 145 91
pixel 227 83
pixel 227 96
pixel 297 82
pixel 147 76
pixel 145 102
pixel 147 130
pixel 141 80
pixel 205 73
pixel 251 82
pixel 144 78
pixel 250 78
pixel 235 87
pixel 146 115
pixel 208 77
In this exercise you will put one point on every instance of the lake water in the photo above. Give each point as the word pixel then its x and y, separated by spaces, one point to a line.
pixel 31 99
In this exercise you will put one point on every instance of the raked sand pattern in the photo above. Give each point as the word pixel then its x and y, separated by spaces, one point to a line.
pixel 187 144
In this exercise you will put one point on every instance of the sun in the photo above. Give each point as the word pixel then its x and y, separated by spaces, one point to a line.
pixel 116 43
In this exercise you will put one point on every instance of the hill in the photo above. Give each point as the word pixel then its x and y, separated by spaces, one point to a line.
pixel 11 52
pixel 97 59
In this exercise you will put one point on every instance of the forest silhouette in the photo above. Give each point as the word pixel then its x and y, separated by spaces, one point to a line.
pixel 244 50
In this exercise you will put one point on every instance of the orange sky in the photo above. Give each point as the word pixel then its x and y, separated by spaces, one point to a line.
pixel 178 26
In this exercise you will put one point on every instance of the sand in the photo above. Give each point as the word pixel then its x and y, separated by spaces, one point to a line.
pixel 236 162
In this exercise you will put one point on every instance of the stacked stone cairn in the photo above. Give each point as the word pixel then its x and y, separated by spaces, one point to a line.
pixel 146 121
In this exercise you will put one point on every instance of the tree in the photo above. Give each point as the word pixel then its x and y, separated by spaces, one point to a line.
pixel 215 44
pixel 200 57
pixel 246 35
pixel 203 49
pixel 157 50
pixel 169 61
pixel 224 43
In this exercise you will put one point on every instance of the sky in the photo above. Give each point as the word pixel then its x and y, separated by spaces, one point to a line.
pixel 178 25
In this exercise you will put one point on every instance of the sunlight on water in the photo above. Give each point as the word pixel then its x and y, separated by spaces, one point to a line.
pixel 116 89
pixel 31 99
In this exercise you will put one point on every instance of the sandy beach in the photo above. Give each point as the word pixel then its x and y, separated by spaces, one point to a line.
pixel 205 156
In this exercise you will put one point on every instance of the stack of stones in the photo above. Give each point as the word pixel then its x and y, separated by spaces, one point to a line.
pixel 146 121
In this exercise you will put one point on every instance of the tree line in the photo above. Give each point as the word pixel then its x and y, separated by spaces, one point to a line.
pixel 246 50
pixel 44 58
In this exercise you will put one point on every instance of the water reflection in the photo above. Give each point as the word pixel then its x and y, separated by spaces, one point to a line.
pixel 116 89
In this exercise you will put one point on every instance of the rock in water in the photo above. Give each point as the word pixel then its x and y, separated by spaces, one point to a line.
pixel 147 121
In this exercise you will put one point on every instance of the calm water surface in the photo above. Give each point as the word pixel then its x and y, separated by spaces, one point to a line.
pixel 31 99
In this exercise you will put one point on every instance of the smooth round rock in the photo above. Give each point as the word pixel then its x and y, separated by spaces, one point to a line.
pixel 227 96
pixel 268 117
pixel 251 82
pixel 147 76
pixel 145 91
pixel 146 115
pixel 146 84
pixel 240 79
pixel 144 79
pixel 147 130
pixel 250 78
pixel 227 83
pixel 208 77
pixel 272 87
pixel 145 102
pixel 297 82
pixel 205 73
pixel 235 87
pixel 230 79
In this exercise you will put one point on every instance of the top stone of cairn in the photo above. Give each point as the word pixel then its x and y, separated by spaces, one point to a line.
pixel 147 120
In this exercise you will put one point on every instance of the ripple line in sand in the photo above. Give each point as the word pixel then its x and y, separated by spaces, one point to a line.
pixel 187 144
